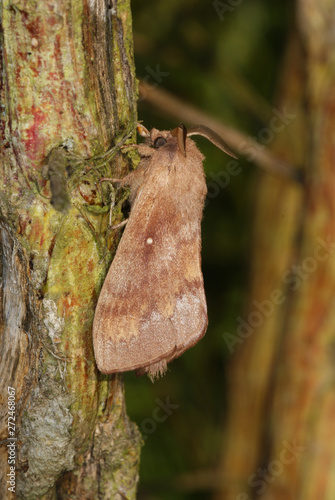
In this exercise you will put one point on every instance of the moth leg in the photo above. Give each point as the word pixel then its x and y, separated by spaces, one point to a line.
pixel 109 179
pixel 122 183
pixel 121 224
pixel 143 149
pixel 112 197
pixel 126 181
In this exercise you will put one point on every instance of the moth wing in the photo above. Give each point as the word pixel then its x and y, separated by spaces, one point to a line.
pixel 152 306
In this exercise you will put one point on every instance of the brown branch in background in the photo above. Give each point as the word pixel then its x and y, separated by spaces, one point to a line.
pixel 239 142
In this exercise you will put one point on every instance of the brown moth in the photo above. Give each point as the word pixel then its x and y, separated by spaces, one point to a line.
pixel 152 306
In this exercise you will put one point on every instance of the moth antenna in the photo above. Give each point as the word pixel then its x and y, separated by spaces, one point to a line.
pixel 144 132
pixel 211 136
pixel 181 133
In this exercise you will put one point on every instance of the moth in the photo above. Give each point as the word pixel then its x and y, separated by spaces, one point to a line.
pixel 152 306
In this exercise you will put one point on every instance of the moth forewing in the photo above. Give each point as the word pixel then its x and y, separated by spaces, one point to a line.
pixel 152 306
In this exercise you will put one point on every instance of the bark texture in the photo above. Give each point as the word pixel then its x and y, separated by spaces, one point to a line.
pixel 68 94
pixel 281 424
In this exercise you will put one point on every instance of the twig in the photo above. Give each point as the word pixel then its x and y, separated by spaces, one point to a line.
pixel 177 108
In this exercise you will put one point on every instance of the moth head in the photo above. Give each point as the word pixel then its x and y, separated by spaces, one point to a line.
pixel 158 138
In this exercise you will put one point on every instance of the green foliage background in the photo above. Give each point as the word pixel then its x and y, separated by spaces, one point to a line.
pixel 229 68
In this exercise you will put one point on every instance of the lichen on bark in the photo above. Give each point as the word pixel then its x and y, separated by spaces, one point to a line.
pixel 67 84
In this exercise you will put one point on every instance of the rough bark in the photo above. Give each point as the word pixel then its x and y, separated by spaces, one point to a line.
pixel 68 95
pixel 280 427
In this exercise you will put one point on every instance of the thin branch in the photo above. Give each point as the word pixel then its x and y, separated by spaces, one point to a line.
pixel 176 108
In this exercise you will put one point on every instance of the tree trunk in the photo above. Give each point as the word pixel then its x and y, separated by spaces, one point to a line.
pixel 68 95
pixel 280 430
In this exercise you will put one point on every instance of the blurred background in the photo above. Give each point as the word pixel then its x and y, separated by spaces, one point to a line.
pixel 224 58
